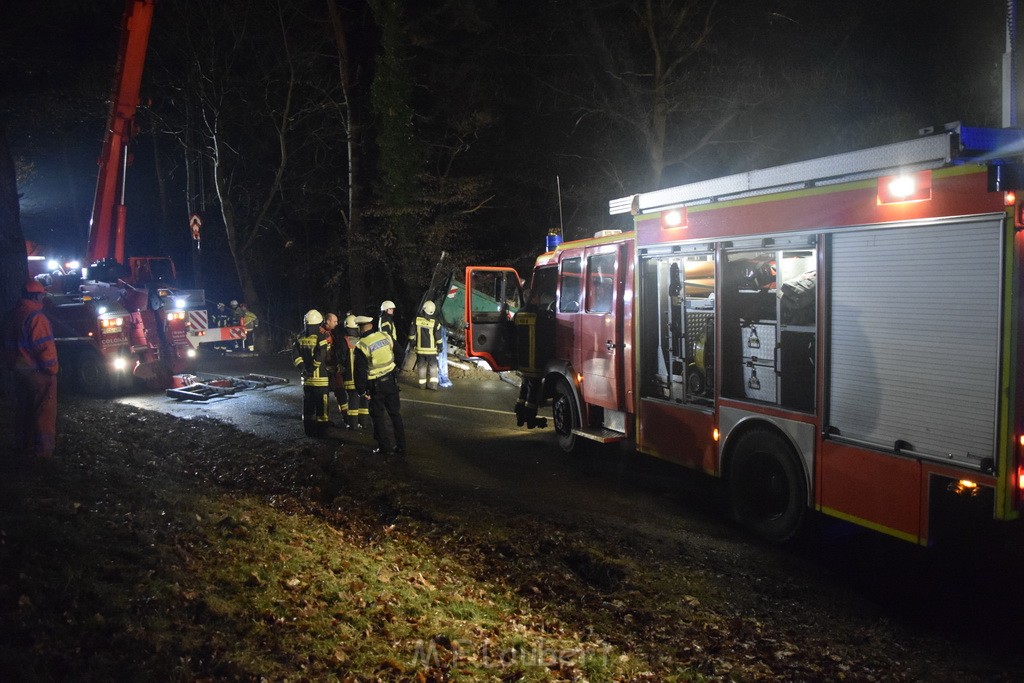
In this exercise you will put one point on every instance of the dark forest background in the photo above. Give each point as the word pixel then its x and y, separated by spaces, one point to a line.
pixel 334 148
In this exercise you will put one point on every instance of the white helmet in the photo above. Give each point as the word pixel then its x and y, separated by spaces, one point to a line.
pixel 388 303
pixel 350 322
pixel 233 303
pixel 429 308
pixel 312 317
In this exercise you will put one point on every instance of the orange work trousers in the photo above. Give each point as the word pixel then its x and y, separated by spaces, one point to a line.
pixel 35 422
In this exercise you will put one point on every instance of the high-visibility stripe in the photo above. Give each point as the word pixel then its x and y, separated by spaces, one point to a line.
pixel 198 320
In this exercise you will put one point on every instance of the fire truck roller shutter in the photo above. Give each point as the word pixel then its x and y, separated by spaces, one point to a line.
pixel 915 338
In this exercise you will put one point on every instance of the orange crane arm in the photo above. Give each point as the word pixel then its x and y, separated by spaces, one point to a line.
pixel 107 227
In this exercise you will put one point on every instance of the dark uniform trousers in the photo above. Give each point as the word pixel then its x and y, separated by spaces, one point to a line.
pixel 385 410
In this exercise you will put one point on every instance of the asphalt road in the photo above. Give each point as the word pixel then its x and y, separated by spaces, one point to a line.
pixel 465 441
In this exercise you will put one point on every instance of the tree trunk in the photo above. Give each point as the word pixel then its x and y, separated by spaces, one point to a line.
pixel 13 259
pixel 240 256
pixel 354 228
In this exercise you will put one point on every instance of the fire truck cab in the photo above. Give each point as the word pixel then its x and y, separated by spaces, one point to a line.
pixel 841 334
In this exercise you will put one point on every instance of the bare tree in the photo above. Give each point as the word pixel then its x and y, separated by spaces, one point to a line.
pixel 353 217
pixel 262 100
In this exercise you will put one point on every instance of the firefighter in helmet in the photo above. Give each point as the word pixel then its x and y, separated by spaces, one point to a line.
pixel 220 317
pixel 386 324
pixel 311 350
pixel 425 335
pixel 358 412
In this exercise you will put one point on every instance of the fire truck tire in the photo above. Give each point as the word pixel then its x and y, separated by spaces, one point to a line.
pixel 695 384
pixel 767 486
pixel 90 374
pixel 566 417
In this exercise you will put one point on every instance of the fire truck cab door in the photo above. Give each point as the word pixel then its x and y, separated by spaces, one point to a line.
pixel 493 295
pixel 599 327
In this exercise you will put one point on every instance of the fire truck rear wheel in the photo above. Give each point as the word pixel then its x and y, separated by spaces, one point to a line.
pixel 566 417
pixel 767 485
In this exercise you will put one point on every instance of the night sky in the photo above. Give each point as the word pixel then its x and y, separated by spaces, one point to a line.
pixel 59 58
pixel 59 61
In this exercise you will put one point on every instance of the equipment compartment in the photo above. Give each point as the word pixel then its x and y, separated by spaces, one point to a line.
pixel 760 382
pixel 758 341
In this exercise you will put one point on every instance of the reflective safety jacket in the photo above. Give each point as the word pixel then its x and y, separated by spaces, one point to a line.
pixel 376 358
pixel 249 320
pixel 311 351
pixel 30 344
pixel 386 324
pixel 425 335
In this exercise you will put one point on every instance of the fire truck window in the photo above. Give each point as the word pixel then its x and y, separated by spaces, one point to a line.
pixel 678 357
pixel 569 297
pixel 768 327
pixel 600 283
pixel 542 292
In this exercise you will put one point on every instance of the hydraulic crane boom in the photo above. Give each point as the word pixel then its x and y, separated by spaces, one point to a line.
pixel 107 226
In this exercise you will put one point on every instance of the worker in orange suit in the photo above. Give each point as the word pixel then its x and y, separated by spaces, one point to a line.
pixel 32 356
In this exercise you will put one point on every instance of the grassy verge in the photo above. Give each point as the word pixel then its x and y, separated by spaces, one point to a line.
pixel 165 549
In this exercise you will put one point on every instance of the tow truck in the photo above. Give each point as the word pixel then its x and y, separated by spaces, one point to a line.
pixel 117 319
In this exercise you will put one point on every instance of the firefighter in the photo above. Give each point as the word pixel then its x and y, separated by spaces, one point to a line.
pixel 376 380
pixel 426 339
pixel 249 321
pixel 235 314
pixel 220 316
pixel 32 356
pixel 311 350
pixel 535 334
pixel 386 323
pixel 358 414
pixel 220 319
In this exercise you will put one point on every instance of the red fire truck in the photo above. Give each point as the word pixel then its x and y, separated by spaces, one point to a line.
pixel 841 334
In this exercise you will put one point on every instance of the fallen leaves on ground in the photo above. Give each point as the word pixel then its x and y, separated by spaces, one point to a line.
pixel 161 548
